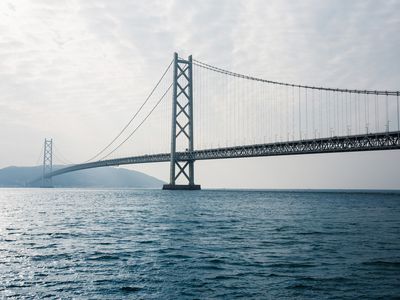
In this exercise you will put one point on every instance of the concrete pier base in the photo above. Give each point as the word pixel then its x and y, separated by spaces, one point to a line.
pixel 191 187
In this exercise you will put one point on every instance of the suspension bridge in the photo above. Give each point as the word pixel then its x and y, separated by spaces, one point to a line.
pixel 219 114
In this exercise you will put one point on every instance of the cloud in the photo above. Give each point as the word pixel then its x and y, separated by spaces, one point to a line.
pixel 69 69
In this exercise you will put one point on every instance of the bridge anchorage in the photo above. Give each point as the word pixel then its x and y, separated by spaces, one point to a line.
pixel 182 125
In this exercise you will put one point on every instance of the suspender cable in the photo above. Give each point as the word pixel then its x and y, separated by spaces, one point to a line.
pixel 293 122
pixel 279 114
pixel 358 115
pixel 328 111
pixel 387 114
pixel 40 155
pixel 375 113
pixel 378 114
pixel 398 119
pixel 287 112
pixel 350 114
pixel 342 122
pixel 61 157
pixel 346 102
pixel 306 115
pixel 334 112
pixel 313 114
pixel 299 116
pixel 368 123
pixel 365 113
pixel 320 113
pixel 338 132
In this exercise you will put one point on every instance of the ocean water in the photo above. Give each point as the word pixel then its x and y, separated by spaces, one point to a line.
pixel 150 244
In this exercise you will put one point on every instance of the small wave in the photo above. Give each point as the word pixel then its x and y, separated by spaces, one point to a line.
pixel 336 279
pixel 51 257
pixel 312 233
pixel 48 246
pixel 234 221
pixel 52 296
pixel 9 240
pixel 224 277
pixel 62 235
pixel 382 263
pixel 17 233
pixel 277 275
pixel 130 289
pixel 292 265
pixel 236 238
pixel 14 286
pixel 104 257
pixel 210 268
pixel 146 242
pixel 299 286
pixel 216 261
pixel 178 256
pixel 339 233
pixel 284 228
pixel 11 228
pixel 31 244
pixel 198 283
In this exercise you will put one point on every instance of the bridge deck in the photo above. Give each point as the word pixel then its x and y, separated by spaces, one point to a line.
pixel 365 142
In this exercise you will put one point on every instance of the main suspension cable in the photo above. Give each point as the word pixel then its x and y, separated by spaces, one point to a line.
pixel 40 155
pixel 223 71
pixel 134 116
pixel 62 158
pixel 140 124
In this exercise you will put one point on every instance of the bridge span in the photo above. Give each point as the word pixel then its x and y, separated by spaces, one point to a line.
pixel 232 109
pixel 368 142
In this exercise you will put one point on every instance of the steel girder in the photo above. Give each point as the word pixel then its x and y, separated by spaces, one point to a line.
pixel 367 142
pixel 162 157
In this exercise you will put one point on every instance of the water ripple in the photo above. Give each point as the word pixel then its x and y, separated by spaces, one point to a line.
pixel 143 244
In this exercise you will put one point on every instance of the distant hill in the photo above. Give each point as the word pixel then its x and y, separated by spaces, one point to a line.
pixel 107 177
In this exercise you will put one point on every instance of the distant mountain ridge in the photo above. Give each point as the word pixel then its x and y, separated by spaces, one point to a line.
pixel 107 177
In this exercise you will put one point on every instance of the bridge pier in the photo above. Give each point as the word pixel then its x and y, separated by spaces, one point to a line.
pixel 187 187
pixel 182 125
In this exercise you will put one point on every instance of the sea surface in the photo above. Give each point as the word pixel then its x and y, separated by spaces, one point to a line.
pixel 222 244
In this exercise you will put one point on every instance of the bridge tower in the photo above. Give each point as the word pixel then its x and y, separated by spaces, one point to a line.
pixel 47 163
pixel 182 125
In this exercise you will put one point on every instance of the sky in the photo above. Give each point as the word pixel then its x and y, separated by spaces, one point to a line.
pixel 77 70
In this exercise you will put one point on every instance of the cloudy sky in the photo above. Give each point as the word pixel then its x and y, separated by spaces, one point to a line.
pixel 77 70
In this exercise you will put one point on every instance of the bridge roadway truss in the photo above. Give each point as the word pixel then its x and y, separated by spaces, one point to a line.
pixel 365 142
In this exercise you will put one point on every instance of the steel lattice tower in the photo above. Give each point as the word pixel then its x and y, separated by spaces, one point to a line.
pixel 182 124
pixel 47 163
